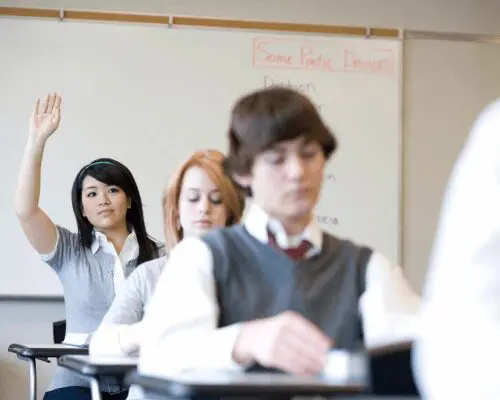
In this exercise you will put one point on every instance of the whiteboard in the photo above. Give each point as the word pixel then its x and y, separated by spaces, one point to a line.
pixel 149 96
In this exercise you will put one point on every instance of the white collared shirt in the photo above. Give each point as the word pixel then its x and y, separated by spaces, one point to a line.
pixel 129 252
pixel 258 222
pixel 180 325
pixel 458 353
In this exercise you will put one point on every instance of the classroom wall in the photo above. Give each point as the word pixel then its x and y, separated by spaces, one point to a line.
pixel 29 321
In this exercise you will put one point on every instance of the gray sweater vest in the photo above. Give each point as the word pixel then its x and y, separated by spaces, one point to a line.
pixel 255 280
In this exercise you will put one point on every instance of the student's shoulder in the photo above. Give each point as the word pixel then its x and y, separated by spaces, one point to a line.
pixel 484 138
pixel 148 268
pixel 67 244
pixel 332 241
pixel 201 248
pixel 364 255
pixel 224 235
pixel 492 110
pixel 67 235
pixel 189 246
pixel 161 249
pixel 354 250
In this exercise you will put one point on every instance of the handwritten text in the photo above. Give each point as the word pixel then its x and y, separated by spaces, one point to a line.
pixel 380 61
pixel 330 178
pixel 302 87
pixel 290 54
pixel 326 220
pixel 322 55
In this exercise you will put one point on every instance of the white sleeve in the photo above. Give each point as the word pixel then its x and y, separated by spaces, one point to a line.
pixel 119 332
pixel 389 307
pixel 180 324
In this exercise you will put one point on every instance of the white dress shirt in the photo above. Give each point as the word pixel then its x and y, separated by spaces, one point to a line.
pixel 180 325
pixel 130 251
pixel 458 353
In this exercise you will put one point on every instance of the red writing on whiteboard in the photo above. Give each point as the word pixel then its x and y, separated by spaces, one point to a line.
pixel 281 53
pixel 263 53
pixel 369 60
pixel 312 58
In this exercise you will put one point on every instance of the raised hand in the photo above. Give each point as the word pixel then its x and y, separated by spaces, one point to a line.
pixel 45 118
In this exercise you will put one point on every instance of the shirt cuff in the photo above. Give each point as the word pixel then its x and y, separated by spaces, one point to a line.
pixel 224 341
pixel 214 350
pixel 115 340
pixel 383 324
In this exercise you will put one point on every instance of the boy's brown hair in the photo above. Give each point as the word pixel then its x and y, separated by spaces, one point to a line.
pixel 265 117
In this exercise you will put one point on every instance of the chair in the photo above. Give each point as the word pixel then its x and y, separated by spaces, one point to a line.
pixel 59 331
pixel 391 371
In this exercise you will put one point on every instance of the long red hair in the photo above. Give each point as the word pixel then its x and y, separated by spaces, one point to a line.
pixel 211 162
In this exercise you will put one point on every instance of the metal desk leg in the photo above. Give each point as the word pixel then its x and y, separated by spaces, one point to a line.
pixel 94 389
pixel 32 366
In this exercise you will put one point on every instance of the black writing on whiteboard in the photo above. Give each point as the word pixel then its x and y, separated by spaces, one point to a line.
pixel 304 87
pixel 330 178
pixel 327 220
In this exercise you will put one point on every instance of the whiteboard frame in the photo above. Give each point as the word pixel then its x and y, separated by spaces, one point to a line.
pixel 369 33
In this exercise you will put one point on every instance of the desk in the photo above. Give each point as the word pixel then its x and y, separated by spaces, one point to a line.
pixel 33 352
pixel 94 368
pixel 389 374
pixel 258 384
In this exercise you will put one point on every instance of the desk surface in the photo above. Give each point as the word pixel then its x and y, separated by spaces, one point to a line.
pixel 98 366
pixel 198 383
pixel 45 350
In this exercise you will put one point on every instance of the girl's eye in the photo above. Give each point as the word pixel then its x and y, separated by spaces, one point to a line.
pixel 215 199
pixel 114 190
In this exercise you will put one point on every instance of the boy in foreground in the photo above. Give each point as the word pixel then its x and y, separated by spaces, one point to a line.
pixel 274 290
